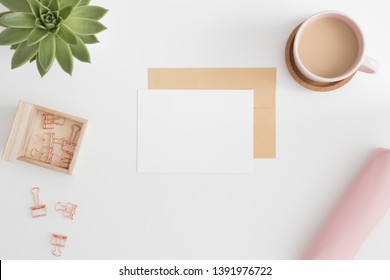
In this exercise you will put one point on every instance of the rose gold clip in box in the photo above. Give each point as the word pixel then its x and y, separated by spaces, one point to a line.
pixel 50 121
pixel 45 137
pixel 38 210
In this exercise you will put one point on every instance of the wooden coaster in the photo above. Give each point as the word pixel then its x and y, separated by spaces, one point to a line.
pixel 302 80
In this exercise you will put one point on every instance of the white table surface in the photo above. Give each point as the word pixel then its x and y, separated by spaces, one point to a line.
pixel 323 140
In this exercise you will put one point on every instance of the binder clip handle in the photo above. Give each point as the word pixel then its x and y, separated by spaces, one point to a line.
pixel 36 196
pixel 38 210
pixel 60 207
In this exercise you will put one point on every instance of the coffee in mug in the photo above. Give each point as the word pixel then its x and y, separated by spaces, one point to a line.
pixel 329 47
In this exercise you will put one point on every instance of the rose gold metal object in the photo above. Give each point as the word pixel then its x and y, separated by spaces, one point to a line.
pixel 50 120
pixel 50 140
pixel 47 152
pixel 66 159
pixel 74 136
pixel 45 156
pixel 68 210
pixel 68 147
pixel 38 210
pixel 58 241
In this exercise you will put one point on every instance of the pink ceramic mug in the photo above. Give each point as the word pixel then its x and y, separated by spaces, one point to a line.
pixel 359 60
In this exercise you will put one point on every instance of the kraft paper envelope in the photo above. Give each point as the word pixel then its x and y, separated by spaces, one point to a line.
pixel 261 80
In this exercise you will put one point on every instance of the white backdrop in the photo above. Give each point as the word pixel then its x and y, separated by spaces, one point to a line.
pixel 323 140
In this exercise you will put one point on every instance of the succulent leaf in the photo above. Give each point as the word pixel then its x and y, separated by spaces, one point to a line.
pixel 47 51
pixel 18 20
pixel 45 2
pixel 39 24
pixel 16 5
pixel 91 12
pixel 84 2
pixel 2 14
pixel 41 71
pixel 65 12
pixel 12 36
pixel 36 36
pixel 80 51
pixel 73 3
pixel 54 5
pixel 66 34
pixel 88 39
pixel 23 54
pixel 64 55
pixel 34 6
pixel 85 26
pixel 42 8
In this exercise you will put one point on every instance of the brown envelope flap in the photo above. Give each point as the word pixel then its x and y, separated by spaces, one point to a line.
pixel 261 80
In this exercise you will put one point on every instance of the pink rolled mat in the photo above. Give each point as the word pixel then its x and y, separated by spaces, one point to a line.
pixel 360 210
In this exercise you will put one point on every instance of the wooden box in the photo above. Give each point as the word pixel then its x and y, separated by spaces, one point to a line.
pixel 45 137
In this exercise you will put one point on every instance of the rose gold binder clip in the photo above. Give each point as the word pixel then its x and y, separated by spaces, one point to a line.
pixel 68 210
pixel 68 147
pixel 46 155
pixel 50 120
pixel 74 136
pixel 58 241
pixel 47 152
pixel 38 210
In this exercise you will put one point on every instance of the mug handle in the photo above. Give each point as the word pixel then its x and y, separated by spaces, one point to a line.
pixel 369 65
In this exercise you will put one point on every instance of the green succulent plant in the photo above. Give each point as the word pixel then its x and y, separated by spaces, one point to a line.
pixel 45 30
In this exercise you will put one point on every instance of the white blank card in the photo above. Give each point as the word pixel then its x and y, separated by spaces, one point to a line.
pixel 195 131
